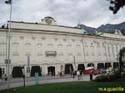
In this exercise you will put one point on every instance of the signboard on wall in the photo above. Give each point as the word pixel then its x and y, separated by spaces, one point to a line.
pixel 50 53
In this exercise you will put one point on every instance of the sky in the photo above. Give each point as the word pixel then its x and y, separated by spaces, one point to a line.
pixel 66 12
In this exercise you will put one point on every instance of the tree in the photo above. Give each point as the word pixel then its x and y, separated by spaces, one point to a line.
pixel 116 5
pixel 121 56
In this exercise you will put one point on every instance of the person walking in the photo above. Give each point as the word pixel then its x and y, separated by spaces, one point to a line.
pixel 74 73
pixel 78 74
pixel 91 75
pixel 5 77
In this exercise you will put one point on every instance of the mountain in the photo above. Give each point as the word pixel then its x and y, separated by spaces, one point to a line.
pixel 108 28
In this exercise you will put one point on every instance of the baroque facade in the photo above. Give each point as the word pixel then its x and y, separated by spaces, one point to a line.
pixel 56 48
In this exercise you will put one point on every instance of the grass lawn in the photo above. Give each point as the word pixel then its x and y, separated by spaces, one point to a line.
pixel 68 87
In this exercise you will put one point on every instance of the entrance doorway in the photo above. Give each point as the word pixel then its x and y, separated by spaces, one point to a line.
pixel 100 66
pixel 51 70
pixel 35 69
pixel 68 68
pixel 90 65
pixel 81 67
pixel 17 72
pixel 107 65
pixel 115 65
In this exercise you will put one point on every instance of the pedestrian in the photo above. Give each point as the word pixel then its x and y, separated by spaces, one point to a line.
pixel 5 77
pixel 81 73
pixel 91 75
pixel 74 73
pixel 78 74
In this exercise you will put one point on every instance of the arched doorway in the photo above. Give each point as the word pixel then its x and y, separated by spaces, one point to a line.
pixel 100 66
pixel 35 69
pixel 51 70
pixel 0 72
pixel 17 72
pixel 90 65
pixel 81 67
pixel 107 65
pixel 68 68
pixel 115 65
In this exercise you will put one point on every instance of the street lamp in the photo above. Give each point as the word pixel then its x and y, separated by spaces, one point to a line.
pixel 8 61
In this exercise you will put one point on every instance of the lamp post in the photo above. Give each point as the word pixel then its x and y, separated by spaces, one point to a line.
pixel 8 61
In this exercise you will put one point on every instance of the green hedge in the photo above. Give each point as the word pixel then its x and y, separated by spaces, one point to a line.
pixel 108 77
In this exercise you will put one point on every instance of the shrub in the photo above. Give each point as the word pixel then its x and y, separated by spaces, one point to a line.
pixel 108 77
pixel 117 74
pixel 102 77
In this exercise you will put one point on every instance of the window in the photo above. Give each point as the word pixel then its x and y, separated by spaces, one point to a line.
pixel 69 45
pixel 93 54
pixel 50 53
pixel 81 40
pixel 60 45
pixel 21 37
pixel 64 40
pixel 103 44
pixel 61 54
pixel 27 44
pixel 73 40
pixel 78 45
pixel 2 43
pixel 15 43
pixel 78 54
pixel 55 39
pixel 2 54
pixel 39 54
pixel 105 54
pixel 15 54
pixel 39 44
pixel 99 54
pixel 86 54
pixel 28 54
pixel 43 38
pixel 33 38
pixel 70 54
pixel 50 44
pixel 91 44
pixel 112 49
pixel 85 43
pixel 98 45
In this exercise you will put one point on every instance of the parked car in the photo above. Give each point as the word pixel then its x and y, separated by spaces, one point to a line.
pixel 96 72
pixel 88 70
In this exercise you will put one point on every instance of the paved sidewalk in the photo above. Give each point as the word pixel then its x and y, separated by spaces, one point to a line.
pixel 18 82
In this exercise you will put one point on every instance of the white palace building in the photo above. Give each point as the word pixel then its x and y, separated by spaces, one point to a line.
pixel 48 48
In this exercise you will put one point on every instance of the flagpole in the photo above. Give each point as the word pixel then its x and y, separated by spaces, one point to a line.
pixel 8 51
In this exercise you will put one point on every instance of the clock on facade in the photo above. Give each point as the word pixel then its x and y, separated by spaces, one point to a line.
pixel 48 21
